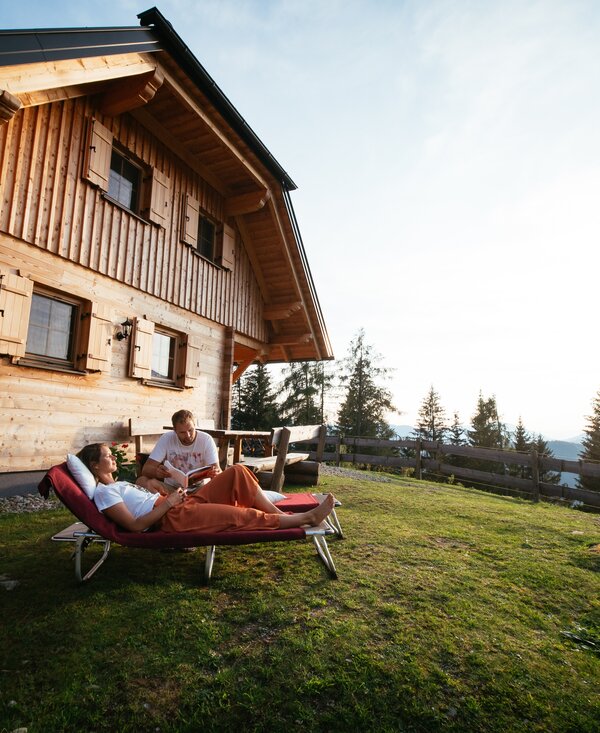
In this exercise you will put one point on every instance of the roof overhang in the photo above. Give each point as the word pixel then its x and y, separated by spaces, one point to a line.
pixel 151 74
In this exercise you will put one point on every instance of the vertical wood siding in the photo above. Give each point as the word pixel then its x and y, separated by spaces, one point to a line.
pixel 45 202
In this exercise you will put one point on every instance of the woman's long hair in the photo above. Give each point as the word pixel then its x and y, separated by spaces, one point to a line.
pixel 90 454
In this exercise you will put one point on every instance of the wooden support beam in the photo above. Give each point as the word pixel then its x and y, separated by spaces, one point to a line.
pixel 246 203
pixel 281 311
pixel 289 340
pixel 241 368
pixel 9 106
pixel 130 93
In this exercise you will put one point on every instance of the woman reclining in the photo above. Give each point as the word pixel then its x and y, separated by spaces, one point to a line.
pixel 232 500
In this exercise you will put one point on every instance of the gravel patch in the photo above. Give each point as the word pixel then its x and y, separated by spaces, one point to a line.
pixel 28 503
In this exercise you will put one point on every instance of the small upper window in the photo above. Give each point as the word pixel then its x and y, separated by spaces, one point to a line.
pixel 124 181
pixel 207 232
pixel 52 332
pixel 164 350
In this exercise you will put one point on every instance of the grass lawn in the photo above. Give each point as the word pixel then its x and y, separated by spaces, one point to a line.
pixel 455 610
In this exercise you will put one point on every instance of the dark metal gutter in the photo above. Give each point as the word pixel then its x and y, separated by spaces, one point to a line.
pixel 58 44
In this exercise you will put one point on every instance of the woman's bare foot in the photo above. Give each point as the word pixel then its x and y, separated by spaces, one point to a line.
pixel 312 518
pixel 322 511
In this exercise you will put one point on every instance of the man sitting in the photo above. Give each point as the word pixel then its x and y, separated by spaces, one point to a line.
pixel 184 447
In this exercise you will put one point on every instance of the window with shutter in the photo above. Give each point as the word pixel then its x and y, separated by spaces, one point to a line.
pixel 98 152
pixel 15 304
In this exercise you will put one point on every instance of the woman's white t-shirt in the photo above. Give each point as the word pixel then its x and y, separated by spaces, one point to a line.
pixel 136 499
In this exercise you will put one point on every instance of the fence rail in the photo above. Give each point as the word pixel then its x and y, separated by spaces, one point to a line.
pixel 429 456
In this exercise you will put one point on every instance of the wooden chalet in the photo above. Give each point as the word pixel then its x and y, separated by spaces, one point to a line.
pixel 149 251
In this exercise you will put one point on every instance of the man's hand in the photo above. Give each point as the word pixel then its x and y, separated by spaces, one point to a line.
pixel 162 471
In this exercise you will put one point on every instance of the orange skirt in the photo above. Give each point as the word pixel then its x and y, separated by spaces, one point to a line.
pixel 224 503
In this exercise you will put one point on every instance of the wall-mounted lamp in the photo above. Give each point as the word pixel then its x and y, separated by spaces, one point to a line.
pixel 124 334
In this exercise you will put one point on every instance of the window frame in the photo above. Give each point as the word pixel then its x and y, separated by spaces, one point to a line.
pixel 45 360
pixel 186 370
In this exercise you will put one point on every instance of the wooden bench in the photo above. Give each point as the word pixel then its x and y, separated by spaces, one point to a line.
pixel 279 442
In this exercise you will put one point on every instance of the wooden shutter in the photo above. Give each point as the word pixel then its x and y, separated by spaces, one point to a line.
pixel 15 305
pixel 96 338
pixel 98 152
pixel 140 356
pixel 158 208
pixel 192 362
pixel 190 215
pixel 226 257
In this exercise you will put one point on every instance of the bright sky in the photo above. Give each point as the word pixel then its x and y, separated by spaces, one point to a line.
pixel 447 157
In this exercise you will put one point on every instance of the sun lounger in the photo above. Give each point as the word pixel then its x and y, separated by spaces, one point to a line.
pixel 93 526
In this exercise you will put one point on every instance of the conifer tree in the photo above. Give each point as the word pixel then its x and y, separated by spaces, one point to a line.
pixel 456 432
pixel 521 441
pixel 256 407
pixel 456 436
pixel 432 424
pixel 301 394
pixel 591 446
pixel 363 409
pixel 487 431
pixel 540 445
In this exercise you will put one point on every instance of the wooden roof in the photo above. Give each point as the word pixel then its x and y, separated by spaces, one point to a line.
pixel 150 73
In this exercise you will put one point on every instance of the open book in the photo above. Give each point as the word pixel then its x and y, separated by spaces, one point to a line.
pixel 186 479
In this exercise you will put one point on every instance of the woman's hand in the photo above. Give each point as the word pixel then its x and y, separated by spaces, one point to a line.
pixel 176 497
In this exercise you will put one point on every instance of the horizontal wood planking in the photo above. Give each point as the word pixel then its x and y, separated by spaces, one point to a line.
pixel 47 413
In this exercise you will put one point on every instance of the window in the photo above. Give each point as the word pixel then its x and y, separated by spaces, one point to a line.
pixel 213 240
pixel 164 349
pixel 206 238
pixel 52 331
pixel 127 181
pixel 163 358
pixel 124 181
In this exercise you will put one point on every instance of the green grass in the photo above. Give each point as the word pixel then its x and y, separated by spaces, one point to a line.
pixel 455 610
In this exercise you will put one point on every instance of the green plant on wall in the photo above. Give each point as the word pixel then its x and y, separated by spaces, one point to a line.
pixel 126 470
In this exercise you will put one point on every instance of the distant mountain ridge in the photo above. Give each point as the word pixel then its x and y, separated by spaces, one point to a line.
pixel 568 450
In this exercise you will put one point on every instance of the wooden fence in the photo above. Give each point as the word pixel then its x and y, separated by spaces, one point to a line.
pixel 432 457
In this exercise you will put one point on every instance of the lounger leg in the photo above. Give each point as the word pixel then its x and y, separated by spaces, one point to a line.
pixel 333 521
pixel 324 554
pixel 80 547
pixel 208 564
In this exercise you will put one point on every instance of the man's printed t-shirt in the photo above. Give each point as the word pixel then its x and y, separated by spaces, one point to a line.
pixel 202 452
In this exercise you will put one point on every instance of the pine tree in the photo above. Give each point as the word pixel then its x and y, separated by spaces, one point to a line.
pixel 456 432
pixel 432 424
pixel 256 407
pixel 456 436
pixel 540 445
pixel 363 409
pixel 591 446
pixel 487 431
pixel 299 405
pixel 521 441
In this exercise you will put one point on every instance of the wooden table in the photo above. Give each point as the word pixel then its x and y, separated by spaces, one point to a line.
pixel 224 437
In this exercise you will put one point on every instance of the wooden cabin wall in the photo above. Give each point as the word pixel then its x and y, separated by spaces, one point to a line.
pixel 44 413
pixel 45 202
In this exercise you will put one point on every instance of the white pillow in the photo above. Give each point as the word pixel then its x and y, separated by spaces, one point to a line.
pixel 82 474
pixel 274 496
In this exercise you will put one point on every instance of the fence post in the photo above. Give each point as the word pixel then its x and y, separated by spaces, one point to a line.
pixel 535 475
pixel 418 458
